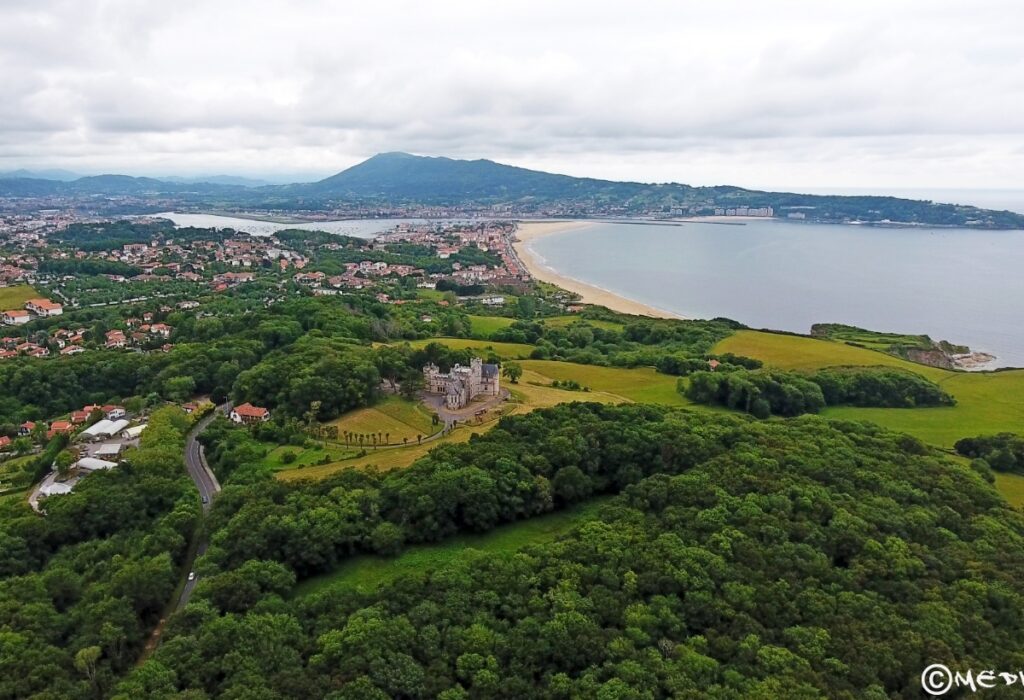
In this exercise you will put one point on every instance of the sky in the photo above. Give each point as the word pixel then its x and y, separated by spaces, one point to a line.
pixel 775 95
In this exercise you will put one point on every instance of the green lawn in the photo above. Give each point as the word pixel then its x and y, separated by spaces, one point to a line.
pixel 641 384
pixel 429 294
pixel 510 351
pixel 486 326
pixel 15 297
pixel 366 573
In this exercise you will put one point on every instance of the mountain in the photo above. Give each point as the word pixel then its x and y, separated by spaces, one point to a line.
pixel 217 180
pixel 51 174
pixel 405 176
pixel 410 179
pixel 483 186
pixel 109 185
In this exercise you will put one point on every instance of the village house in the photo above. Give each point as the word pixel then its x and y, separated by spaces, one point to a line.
pixel 44 307
pixel 16 317
pixel 247 413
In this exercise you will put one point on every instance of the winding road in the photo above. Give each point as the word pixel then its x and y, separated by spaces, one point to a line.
pixel 206 482
pixel 208 486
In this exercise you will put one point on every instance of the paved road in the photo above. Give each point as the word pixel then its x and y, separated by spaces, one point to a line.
pixel 205 482
pixel 208 487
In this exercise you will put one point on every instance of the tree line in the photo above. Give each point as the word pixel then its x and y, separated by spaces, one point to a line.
pixel 804 558
pixel 775 392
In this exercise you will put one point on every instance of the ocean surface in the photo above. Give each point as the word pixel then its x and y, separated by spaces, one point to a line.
pixel 360 228
pixel 959 285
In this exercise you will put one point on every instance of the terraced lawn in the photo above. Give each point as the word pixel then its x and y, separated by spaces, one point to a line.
pixel 383 459
pixel 393 416
pixel 367 573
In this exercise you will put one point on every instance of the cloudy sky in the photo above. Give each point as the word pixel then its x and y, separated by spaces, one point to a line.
pixel 757 93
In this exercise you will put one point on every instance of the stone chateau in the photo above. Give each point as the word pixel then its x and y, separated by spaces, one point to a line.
pixel 462 384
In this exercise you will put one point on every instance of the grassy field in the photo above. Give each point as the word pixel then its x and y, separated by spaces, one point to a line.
pixel 429 294
pixel 486 326
pixel 562 321
pixel 366 573
pixel 15 297
pixel 641 384
pixel 987 402
pixel 510 351
pixel 394 416
pixel 305 456
pixel 1012 488
pixel 799 352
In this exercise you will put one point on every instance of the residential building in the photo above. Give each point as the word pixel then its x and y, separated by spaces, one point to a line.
pixel 247 413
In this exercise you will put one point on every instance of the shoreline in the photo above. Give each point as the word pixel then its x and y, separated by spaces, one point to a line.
pixel 527 231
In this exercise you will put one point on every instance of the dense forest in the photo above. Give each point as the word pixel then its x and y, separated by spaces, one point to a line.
pixel 81 587
pixel 804 558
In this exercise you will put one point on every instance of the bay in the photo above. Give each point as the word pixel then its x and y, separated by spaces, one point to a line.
pixel 965 286
pixel 359 228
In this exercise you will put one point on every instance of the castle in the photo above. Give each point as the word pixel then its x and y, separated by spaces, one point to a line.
pixel 462 384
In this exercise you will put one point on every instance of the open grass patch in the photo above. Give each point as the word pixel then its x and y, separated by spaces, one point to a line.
pixel 509 351
pixel 1011 486
pixel 987 402
pixel 486 326
pixel 805 353
pixel 563 321
pixel 366 573
pixel 278 459
pixel 15 297
pixel 641 384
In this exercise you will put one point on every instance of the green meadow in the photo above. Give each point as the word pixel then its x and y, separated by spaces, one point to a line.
pixel 366 573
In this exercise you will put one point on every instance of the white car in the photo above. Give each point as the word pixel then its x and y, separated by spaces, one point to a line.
pixel 191 575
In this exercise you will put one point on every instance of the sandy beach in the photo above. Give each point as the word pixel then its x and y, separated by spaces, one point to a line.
pixel 527 231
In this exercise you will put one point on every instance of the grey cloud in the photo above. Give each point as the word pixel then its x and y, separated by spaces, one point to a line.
pixel 757 89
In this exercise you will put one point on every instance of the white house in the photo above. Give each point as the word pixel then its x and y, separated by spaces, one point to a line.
pixel 16 317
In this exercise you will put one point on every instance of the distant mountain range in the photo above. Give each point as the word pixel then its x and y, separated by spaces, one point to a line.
pixel 51 174
pixel 402 179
